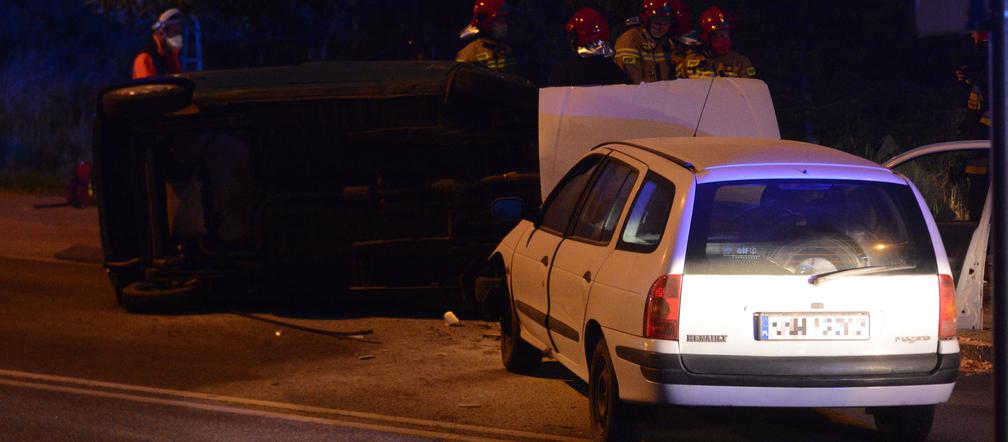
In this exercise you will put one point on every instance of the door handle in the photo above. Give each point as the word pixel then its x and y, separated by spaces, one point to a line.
pixel 587 276
pixel 544 261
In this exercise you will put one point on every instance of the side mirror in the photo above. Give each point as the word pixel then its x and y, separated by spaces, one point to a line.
pixel 512 209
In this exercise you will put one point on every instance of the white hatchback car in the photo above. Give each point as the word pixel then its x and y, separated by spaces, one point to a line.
pixel 733 272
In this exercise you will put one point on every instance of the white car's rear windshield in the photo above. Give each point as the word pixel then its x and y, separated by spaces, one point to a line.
pixel 780 227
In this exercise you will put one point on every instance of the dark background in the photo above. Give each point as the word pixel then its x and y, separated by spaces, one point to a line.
pixel 852 75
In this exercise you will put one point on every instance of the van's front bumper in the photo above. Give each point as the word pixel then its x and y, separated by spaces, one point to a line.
pixel 861 381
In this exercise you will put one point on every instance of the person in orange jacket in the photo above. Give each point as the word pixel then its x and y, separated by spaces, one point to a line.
pixel 161 56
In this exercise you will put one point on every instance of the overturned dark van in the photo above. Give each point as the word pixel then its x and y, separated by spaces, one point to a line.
pixel 354 175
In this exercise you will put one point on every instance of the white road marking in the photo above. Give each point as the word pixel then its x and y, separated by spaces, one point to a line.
pixel 498 432
pixel 42 260
pixel 240 411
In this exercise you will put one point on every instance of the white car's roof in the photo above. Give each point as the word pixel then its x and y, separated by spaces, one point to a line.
pixel 707 153
pixel 731 159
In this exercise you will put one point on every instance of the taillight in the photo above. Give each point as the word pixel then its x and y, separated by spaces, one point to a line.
pixel 661 313
pixel 946 307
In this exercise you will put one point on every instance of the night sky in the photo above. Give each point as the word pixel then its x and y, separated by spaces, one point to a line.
pixel 851 75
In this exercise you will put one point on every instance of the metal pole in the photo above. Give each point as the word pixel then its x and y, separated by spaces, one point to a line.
pixel 999 161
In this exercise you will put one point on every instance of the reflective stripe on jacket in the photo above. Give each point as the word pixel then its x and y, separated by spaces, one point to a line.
pixel 489 54
pixel 642 59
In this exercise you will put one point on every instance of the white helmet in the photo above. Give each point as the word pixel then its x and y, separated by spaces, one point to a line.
pixel 172 15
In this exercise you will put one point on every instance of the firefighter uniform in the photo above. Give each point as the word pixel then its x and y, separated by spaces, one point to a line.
pixel 488 53
pixel 732 64
pixel 643 59
pixel 684 59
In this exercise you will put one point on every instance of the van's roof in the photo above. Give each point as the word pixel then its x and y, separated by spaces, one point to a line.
pixel 706 153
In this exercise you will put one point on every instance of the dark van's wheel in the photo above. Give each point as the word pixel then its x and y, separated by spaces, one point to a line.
pixel 518 356
pixel 158 296
pixel 910 423
pixel 610 419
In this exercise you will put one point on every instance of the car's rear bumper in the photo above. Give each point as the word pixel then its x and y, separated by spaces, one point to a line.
pixel 658 377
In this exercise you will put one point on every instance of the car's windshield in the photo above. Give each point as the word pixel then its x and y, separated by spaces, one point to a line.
pixel 806 227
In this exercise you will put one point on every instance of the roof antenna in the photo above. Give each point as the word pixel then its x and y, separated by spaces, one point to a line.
pixel 711 86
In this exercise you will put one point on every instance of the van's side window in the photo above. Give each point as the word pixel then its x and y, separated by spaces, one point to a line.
pixel 648 216
pixel 560 205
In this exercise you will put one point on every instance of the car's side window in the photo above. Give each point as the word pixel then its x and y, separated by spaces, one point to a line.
pixel 604 203
pixel 560 205
pixel 648 216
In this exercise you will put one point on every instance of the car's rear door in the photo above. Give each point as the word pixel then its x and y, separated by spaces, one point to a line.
pixel 754 285
pixel 581 254
pixel 534 253
pixel 954 180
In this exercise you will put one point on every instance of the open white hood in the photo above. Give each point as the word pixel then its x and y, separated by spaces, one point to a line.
pixel 572 120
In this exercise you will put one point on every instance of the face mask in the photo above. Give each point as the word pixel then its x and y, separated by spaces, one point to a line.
pixel 174 42
pixel 721 45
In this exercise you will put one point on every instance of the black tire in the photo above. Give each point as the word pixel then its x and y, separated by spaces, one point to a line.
pixel 488 295
pixel 909 423
pixel 610 419
pixel 518 356
pixel 158 297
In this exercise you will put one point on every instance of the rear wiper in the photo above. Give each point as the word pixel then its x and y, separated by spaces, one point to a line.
pixel 870 270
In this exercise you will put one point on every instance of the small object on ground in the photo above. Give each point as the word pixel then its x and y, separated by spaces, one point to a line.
pixel 81 253
pixel 278 332
pixel 451 320
pixel 468 405
pixel 366 357
pixel 50 205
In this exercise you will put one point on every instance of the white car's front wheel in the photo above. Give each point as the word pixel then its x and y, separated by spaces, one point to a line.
pixel 518 356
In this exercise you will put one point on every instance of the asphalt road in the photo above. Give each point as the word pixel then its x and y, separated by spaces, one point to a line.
pixel 73 366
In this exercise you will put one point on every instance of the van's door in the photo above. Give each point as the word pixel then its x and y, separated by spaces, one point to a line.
pixel 954 179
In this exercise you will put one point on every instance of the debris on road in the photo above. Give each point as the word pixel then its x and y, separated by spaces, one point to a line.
pixel 366 357
pixel 468 405
pixel 278 332
pixel 975 366
pixel 451 320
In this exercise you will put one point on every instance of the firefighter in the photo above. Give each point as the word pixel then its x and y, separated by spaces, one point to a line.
pixel 976 125
pixel 687 47
pixel 161 56
pixel 643 51
pixel 721 60
pixel 588 32
pixel 489 49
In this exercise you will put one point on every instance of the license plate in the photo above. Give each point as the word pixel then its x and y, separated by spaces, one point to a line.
pixel 807 326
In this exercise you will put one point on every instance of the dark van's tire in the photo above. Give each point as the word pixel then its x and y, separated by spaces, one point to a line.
pixel 518 356
pixel 610 419
pixel 158 296
pixel 909 423
pixel 146 100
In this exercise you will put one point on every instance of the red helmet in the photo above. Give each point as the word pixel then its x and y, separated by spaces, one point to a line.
pixel 587 26
pixel 674 9
pixel 485 11
pixel 712 19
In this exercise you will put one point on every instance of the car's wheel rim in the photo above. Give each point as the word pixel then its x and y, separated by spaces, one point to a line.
pixel 602 397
